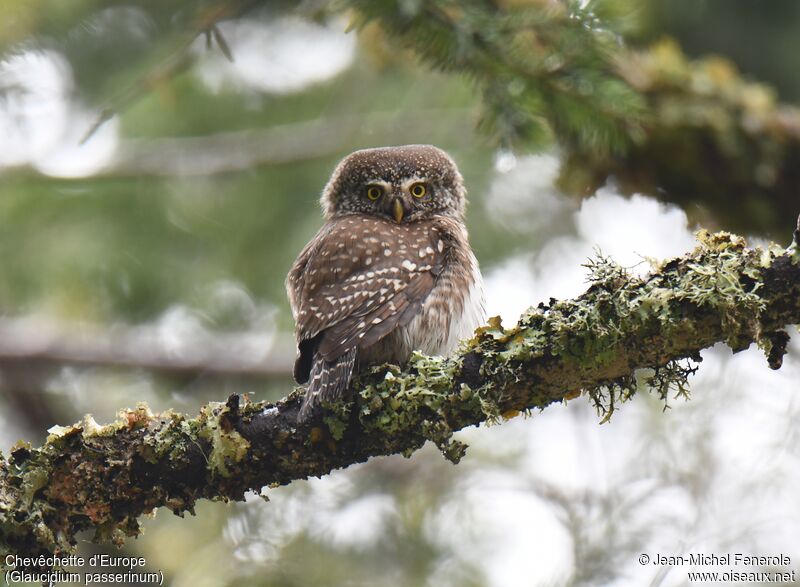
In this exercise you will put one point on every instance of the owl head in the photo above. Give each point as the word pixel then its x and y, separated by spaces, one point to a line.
pixel 402 184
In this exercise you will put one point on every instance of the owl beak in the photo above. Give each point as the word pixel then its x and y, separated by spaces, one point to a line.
pixel 397 210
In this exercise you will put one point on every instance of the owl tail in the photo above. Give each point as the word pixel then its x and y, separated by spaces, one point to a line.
pixel 327 382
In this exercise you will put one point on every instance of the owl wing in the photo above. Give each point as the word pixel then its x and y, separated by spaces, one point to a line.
pixel 358 280
pixel 295 281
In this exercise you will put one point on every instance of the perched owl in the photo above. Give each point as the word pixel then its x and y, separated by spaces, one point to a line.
pixel 391 271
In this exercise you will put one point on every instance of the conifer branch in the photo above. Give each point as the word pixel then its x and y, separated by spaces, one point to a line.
pixel 560 72
pixel 541 68
pixel 177 61
pixel 654 121
pixel 88 476
pixel 711 138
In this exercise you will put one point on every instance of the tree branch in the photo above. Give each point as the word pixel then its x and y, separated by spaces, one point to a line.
pixel 88 476
pixel 31 341
pixel 652 120
pixel 277 145
pixel 711 138
pixel 178 60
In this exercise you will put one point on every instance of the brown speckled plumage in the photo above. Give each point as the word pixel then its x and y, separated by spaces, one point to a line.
pixel 377 282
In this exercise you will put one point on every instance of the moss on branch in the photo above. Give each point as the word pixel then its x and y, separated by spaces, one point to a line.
pixel 103 478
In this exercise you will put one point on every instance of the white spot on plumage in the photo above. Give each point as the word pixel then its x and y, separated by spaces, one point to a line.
pixel 408 265
pixel 440 245
pixel 387 252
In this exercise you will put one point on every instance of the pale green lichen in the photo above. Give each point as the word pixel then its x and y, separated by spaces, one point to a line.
pixel 671 378
pixel 413 402
pixel 606 396
pixel 337 416
pixel 716 282
pixel 169 439
pixel 396 400
pixel 139 417
pixel 420 400
pixel 32 481
pixel 227 445
pixel 56 432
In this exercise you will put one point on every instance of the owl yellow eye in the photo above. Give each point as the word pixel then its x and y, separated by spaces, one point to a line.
pixel 374 192
pixel 418 190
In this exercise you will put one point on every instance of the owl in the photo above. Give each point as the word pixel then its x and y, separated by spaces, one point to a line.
pixel 391 270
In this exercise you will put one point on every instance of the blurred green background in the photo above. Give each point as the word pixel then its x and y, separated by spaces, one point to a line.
pixel 147 264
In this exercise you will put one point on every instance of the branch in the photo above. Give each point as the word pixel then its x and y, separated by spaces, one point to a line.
pixel 36 342
pixel 711 137
pixel 652 121
pixel 88 476
pixel 287 143
pixel 540 67
pixel 178 60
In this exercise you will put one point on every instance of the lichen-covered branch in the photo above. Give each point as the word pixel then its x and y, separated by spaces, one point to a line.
pixel 103 478
pixel 710 138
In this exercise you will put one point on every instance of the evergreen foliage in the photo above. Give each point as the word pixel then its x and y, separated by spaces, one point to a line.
pixel 542 68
